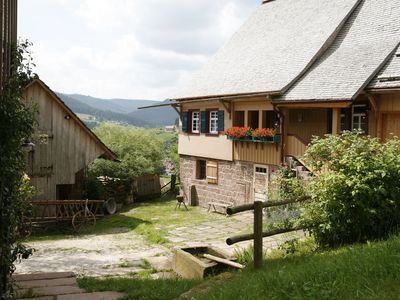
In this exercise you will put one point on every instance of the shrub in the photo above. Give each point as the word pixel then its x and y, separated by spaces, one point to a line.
pixel 356 193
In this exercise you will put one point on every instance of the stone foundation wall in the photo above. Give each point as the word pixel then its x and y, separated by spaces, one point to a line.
pixel 235 182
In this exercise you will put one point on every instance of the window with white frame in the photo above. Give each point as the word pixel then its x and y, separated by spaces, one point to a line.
pixel 360 120
pixel 196 122
pixel 213 122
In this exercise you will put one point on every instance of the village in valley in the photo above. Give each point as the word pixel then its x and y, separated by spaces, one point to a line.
pixel 266 165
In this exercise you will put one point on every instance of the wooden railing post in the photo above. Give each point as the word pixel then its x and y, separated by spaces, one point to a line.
pixel 258 234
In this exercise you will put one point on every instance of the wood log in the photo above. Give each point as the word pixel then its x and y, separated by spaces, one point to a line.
pixel 223 261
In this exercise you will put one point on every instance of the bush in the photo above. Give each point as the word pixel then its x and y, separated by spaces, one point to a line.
pixel 356 193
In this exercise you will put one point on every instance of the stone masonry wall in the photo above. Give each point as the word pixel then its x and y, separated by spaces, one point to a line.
pixel 235 180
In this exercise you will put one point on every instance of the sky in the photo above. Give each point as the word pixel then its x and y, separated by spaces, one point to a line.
pixel 132 49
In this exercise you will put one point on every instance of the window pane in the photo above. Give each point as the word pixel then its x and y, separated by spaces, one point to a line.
pixel 195 121
pixel 214 122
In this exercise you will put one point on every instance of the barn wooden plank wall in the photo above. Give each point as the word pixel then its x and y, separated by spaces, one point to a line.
pixel 68 149
pixel 8 30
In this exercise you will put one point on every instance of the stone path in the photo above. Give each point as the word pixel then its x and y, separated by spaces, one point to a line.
pixel 217 231
pixel 122 253
pixel 62 285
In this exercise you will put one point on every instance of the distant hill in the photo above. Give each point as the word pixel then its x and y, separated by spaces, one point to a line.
pixel 120 110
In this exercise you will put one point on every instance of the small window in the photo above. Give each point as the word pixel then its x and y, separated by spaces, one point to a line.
pixel 261 170
pixel 360 120
pixel 238 120
pixel 195 122
pixel 213 122
pixel 201 169
pixel 253 117
pixel 270 119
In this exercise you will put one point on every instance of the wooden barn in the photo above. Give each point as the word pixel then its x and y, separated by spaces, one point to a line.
pixel 64 146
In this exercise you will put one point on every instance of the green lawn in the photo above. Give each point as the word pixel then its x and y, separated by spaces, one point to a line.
pixel 139 289
pixel 358 272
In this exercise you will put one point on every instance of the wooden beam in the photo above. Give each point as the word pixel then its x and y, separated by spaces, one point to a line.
pixel 374 105
pixel 223 261
pixel 327 104
pixel 336 121
pixel 228 106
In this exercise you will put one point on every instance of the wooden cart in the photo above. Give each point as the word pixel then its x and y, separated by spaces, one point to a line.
pixel 79 213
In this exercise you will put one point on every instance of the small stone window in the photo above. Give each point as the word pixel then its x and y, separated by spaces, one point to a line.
pixel 261 170
pixel 201 169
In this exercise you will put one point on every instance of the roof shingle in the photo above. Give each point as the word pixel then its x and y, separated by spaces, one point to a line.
pixel 272 49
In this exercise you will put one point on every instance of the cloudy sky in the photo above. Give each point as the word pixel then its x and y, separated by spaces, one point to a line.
pixel 136 49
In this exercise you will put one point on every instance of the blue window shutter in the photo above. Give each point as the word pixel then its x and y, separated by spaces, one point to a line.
pixel 203 122
pixel 221 126
pixel 184 122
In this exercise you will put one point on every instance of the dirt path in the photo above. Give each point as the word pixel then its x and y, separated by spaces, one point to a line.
pixel 121 253
pixel 92 255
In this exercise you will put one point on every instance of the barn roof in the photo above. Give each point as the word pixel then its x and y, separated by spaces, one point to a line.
pixel 304 50
pixel 108 153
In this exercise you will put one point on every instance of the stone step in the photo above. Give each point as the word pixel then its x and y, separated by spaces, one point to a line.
pixel 93 296
pixel 46 283
pixel 53 290
pixel 39 298
pixel 41 276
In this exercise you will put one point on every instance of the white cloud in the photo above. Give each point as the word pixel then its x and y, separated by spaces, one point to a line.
pixel 130 49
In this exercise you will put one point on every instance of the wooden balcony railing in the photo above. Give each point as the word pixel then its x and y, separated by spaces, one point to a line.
pixel 259 153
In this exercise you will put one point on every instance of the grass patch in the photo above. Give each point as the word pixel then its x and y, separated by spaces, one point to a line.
pixel 151 219
pixel 139 289
pixel 368 271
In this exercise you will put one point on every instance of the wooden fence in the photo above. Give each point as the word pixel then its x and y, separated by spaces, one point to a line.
pixel 8 36
pixel 258 233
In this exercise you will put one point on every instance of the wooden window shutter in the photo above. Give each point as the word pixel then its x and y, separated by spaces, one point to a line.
pixel 203 122
pixel 212 172
pixel 185 121
pixel 221 126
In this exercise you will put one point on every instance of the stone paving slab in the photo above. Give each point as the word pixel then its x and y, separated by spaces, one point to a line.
pixel 46 282
pixel 40 276
pixel 54 290
pixel 93 296
pixel 39 298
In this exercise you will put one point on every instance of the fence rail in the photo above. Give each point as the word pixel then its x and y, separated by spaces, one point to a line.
pixel 258 234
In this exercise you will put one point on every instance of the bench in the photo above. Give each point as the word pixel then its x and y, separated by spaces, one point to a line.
pixel 222 204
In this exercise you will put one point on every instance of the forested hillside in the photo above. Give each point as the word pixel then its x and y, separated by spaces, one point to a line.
pixel 123 111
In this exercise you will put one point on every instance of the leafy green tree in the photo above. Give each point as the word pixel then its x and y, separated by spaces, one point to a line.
pixel 356 190
pixel 16 124
pixel 139 151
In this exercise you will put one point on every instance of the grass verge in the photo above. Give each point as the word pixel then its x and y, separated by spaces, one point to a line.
pixel 139 289
pixel 368 271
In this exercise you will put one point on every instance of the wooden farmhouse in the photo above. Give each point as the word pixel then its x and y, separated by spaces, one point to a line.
pixel 57 164
pixel 299 68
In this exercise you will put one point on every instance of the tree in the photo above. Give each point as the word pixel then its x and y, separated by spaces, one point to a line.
pixel 16 124
pixel 139 151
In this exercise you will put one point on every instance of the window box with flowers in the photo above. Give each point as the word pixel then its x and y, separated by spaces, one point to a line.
pixel 259 135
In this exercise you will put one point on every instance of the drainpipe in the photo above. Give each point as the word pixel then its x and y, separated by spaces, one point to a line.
pixel 282 130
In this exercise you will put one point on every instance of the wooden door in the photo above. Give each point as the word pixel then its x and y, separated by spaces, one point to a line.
pixel 390 125
pixel 260 182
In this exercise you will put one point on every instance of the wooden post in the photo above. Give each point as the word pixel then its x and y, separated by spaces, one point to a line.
pixel 258 238
pixel 173 183
pixel 336 121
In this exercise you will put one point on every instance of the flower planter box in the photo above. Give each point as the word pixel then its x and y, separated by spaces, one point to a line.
pixel 267 140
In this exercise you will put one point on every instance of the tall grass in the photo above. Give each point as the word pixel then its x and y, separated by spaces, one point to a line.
pixel 368 271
